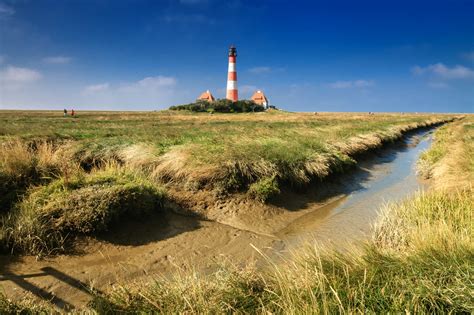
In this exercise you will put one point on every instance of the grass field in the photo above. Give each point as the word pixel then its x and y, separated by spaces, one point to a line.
pixel 420 258
pixel 103 162
pixel 221 152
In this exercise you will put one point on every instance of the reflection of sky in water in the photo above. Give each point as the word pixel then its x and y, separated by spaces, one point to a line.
pixel 391 178
pixel 391 184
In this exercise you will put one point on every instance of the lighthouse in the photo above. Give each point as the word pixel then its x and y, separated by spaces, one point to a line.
pixel 232 92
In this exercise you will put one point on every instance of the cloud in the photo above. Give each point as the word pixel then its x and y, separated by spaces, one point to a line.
pixel 188 19
pixel 90 89
pixel 351 84
pixel 158 81
pixel 2 59
pixel 57 60
pixel 469 56
pixel 442 71
pixel 247 89
pixel 260 70
pixel 14 78
pixel 6 11
pixel 265 69
pixel 18 75
pixel 149 91
pixel 148 84
pixel 438 85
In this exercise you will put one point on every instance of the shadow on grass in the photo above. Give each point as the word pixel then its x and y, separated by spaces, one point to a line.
pixel 353 180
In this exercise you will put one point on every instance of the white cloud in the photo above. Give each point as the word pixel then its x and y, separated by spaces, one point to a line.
pixel 469 55
pixel 438 85
pixel 445 72
pixel 5 10
pixel 18 75
pixel 148 84
pixel 149 91
pixel 351 84
pixel 247 89
pixel 188 19
pixel 158 81
pixel 96 88
pixel 260 70
pixel 57 60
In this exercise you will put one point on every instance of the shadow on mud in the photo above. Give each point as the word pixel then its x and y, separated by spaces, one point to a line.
pixel 22 282
pixel 155 227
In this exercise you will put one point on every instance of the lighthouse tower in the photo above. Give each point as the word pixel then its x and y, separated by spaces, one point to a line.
pixel 232 93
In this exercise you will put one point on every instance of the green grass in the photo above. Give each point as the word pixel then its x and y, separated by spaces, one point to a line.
pixel 48 190
pixel 211 151
pixel 451 155
pixel 82 204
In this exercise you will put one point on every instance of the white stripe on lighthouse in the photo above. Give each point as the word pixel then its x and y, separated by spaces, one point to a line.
pixel 232 67
pixel 231 85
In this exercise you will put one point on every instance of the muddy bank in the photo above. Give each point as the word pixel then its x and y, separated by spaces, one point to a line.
pixel 337 210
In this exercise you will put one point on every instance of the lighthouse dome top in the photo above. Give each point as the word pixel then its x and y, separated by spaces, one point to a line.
pixel 232 51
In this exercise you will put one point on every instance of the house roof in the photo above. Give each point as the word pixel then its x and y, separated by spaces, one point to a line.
pixel 207 96
pixel 259 97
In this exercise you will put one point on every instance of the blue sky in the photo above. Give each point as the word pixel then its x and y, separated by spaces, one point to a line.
pixel 305 55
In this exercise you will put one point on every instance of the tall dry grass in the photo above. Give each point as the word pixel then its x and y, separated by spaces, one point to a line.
pixel 49 216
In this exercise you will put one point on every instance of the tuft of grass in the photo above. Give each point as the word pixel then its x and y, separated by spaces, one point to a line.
pixel 25 163
pixel 264 189
pixel 88 203
pixel 26 306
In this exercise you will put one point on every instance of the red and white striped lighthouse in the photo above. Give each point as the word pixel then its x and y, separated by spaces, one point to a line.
pixel 232 92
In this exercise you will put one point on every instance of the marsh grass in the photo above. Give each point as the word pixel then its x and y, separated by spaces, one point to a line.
pixel 50 215
pixel 421 260
pixel 24 163
pixel 449 161
pixel 221 152
pixel 26 306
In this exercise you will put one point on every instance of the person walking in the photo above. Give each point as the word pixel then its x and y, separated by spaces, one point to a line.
pixel 72 112
pixel 65 112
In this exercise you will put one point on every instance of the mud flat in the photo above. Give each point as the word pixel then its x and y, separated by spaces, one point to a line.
pixel 337 211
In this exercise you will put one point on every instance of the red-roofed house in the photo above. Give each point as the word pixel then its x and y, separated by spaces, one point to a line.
pixel 206 96
pixel 260 98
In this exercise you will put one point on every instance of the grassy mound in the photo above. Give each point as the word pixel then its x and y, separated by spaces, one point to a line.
pixel 25 163
pixel 85 204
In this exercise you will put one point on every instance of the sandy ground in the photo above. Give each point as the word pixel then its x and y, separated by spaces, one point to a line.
pixel 156 247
